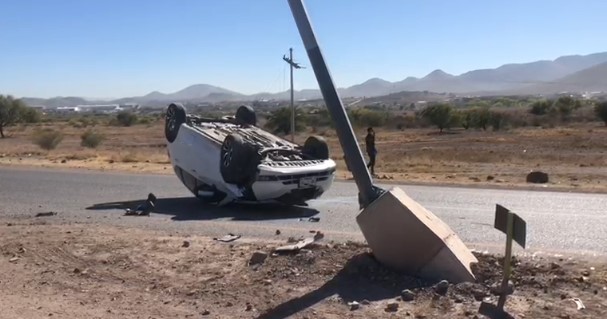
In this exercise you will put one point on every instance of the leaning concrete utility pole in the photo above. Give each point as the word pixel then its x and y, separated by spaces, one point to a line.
pixel 297 66
pixel 392 223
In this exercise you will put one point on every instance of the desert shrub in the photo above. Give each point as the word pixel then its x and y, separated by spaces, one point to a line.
pixel 30 115
pixel 279 121
pixel 145 120
pixel 541 107
pixel 365 117
pixel 126 118
pixel 600 109
pixel 129 158
pixel 47 139
pixel 91 139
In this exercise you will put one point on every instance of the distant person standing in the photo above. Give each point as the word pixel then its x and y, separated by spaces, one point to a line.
pixel 371 150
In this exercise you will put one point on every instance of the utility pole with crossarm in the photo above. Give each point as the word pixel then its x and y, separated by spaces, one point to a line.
pixel 296 66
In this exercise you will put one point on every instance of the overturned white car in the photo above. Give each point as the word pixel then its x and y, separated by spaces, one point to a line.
pixel 231 159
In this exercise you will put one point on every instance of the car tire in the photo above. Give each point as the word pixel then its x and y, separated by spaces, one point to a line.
pixel 236 161
pixel 175 116
pixel 245 115
pixel 316 147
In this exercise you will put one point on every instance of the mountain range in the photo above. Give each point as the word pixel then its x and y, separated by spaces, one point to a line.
pixel 573 73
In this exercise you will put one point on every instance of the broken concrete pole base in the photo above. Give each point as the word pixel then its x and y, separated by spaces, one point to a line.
pixel 406 237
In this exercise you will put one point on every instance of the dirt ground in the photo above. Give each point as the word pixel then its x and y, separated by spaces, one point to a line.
pixel 50 270
pixel 574 156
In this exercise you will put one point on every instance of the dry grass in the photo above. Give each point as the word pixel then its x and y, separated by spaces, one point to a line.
pixel 573 155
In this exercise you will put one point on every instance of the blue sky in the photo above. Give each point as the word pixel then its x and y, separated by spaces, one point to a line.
pixel 112 48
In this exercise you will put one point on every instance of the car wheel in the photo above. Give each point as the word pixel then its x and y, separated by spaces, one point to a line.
pixel 316 147
pixel 237 159
pixel 175 116
pixel 245 115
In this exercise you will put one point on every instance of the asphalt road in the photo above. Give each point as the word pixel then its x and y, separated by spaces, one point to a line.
pixel 557 222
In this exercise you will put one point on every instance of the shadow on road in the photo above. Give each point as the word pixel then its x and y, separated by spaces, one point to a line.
pixel 362 278
pixel 190 208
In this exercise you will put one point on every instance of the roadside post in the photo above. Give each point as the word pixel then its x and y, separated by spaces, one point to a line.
pixel 515 229
pixel 392 223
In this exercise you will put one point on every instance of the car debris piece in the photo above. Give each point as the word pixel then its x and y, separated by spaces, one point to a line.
pixel 578 303
pixel 144 209
pixel 46 214
pixel 227 238
pixel 300 244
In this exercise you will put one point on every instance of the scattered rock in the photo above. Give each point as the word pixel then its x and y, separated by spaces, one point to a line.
pixel 111 161
pixel 277 232
pixel 441 287
pixel 185 244
pixel 490 177
pixel 249 307
pixel 365 302
pixel 537 177
pixel 586 273
pixel 354 305
pixel 205 313
pixel 14 259
pixel 497 288
pixel 392 307
pixel 63 161
pixel 258 258
pixel 267 282
pixel 77 270
pixel 407 295
pixel 474 179
pixel 9 224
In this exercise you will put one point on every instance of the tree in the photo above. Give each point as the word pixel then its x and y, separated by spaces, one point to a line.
pixel 11 111
pixel 279 121
pixel 565 105
pixel 439 115
pixel 601 111
pixel 540 107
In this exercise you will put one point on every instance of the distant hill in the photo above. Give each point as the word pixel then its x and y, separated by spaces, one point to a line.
pixel 574 73
pixel 592 79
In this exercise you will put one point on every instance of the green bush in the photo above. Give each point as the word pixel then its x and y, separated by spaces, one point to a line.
pixel 126 118
pixel 91 139
pixel 47 139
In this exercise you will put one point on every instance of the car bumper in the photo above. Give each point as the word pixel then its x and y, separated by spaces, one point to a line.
pixel 295 182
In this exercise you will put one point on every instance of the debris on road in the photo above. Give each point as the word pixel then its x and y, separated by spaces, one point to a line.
pixel 311 219
pixel 144 209
pixel 578 303
pixel 354 305
pixel 227 238
pixel 46 214
pixel 300 244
